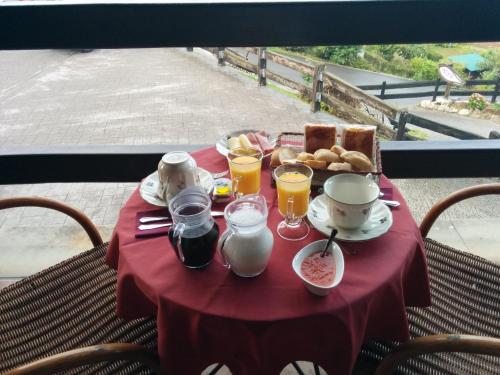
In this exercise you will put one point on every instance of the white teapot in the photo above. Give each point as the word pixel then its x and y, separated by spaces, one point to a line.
pixel 247 243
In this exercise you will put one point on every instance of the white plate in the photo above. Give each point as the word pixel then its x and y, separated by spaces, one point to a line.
pixel 379 222
pixel 221 144
pixel 149 186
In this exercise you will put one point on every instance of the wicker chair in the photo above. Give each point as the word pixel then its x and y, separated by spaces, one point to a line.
pixel 69 306
pixel 465 292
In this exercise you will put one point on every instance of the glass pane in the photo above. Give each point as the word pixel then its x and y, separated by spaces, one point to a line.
pixel 176 96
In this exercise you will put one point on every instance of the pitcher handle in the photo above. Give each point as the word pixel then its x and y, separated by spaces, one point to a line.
pixel 220 247
pixel 178 231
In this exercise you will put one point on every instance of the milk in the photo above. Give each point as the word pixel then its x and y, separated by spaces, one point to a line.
pixel 248 242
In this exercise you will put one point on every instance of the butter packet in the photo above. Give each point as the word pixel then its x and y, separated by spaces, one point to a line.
pixel 222 190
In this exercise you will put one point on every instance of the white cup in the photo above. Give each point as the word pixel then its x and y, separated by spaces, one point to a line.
pixel 350 199
pixel 177 170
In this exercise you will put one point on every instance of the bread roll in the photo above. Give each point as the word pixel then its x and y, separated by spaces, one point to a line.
pixel 318 136
pixel 339 150
pixel 340 167
pixel 275 158
pixel 358 160
pixel 326 155
pixel 316 164
pixel 303 156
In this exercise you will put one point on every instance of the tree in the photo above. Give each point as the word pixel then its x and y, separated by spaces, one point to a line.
pixel 491 65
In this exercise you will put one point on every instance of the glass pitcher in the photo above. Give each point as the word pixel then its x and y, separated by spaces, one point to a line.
pixel 246 245
pixel 194 232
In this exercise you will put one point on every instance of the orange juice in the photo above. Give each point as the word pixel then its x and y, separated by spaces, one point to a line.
pixel 297 186
pixel 245 169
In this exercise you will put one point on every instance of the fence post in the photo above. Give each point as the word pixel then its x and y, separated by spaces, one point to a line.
pixel 382 91
pixel 436 89
pixel 220 55
pixel 317 89
pixel 189 49
pixel 262 66
pixel 497 87
pixel 403 117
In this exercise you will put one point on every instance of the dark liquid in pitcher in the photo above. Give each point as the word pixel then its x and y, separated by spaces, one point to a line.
pixel 198 251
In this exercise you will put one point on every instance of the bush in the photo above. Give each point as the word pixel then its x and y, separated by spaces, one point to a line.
pixel 343 55
pixel 296 49
pixel 423 69
pixel 407 51
pixel 477 101
pixel 491 65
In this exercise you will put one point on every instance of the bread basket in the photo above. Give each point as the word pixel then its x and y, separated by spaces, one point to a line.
pixel 296 141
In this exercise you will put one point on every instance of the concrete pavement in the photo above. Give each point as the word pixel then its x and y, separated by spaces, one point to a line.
pixel 481 127
pixel 150 96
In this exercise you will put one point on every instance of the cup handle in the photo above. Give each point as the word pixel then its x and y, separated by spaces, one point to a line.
pixel 178 231
pixel 220 247
pixel 290 217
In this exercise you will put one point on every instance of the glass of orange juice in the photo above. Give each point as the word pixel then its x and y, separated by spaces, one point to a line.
pixel 245 166
pixel 293 182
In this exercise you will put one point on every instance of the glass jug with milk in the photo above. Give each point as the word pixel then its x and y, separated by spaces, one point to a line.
pixel 247 243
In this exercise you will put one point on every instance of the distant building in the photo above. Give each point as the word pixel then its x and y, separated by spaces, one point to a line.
pixel 471 61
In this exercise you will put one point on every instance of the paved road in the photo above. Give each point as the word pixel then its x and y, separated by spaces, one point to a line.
pixel 480 127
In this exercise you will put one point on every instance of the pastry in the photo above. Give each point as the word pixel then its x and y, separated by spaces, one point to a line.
pixel 318 136
pixel 359 138
pixel 339 150
pixel 245 142
pixel 358 160
pixel 287 153
pixel 316 164
pixel 326 155
pixel 233 143
pixel 340 167
pixel 303 156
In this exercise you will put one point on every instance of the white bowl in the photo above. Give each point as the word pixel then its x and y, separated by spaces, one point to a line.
pixel 314 247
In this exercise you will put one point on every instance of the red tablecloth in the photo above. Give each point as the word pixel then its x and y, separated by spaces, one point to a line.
pixel 258 325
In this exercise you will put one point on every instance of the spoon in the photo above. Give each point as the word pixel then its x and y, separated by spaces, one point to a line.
pixel 151 219
pixel 390 203
pixel 332 236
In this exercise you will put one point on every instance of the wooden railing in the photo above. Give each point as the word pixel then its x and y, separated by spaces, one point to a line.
pixel 436 92
pixel 343 99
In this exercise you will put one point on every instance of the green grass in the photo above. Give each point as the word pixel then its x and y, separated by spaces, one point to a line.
pixel 271 85
pixel 458 49
pixel 283 90
pixel 419 134
pixel 495 106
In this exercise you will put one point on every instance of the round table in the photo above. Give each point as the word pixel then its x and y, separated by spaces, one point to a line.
pixel 259 325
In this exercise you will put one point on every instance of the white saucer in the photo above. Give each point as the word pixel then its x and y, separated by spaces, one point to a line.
pixel 379 222
pixel 222 147
pixel 149 186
